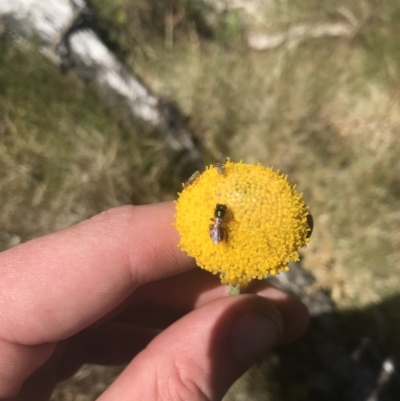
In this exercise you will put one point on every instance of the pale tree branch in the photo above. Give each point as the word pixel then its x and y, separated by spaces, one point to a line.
pixel 63 36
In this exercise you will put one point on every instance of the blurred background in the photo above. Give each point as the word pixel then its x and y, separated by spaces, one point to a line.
pixel 311 87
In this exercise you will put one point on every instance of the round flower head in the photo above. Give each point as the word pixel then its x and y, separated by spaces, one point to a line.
pixel 242 221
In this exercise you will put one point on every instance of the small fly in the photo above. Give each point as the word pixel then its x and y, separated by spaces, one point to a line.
pixel 218 231
pixel 191 179
pixel 220 166
pixel 310 222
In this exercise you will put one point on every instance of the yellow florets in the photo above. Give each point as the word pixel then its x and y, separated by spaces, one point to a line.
pixel 266 222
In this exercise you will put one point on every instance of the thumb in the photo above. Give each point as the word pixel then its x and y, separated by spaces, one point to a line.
pixel 201 355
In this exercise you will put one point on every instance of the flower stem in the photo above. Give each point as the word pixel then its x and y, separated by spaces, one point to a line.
pixel 234 290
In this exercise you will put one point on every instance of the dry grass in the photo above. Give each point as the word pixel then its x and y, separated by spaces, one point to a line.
pixel 326 112
pixel 63 156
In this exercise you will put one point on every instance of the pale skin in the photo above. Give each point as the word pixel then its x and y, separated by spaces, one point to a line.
pixel 116 289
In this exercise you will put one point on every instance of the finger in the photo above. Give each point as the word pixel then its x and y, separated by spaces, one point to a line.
pixel 118 341
pixel 295 315
pixel 160 303
pixel 114 343
pixel 54 286
pixel 202 354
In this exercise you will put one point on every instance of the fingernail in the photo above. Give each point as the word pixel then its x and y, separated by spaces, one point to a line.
pixel 253 334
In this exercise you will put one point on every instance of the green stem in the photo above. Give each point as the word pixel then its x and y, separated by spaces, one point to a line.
pixel 234 290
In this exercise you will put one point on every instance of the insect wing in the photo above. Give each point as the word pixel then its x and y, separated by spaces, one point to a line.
pixel 217 232
pixel 191 179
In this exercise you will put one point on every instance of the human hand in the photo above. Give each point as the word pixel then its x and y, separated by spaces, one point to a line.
pixel 116 289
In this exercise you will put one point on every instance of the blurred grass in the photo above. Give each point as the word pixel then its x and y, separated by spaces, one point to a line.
pixel 63 155
pixel 326 112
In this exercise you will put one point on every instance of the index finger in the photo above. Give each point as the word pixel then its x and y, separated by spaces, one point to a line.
pixel 54 286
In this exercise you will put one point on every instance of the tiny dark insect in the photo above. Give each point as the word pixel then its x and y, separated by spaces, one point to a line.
pixel 310 222
pixel 217 229
pixel 220 166
pixel 191 179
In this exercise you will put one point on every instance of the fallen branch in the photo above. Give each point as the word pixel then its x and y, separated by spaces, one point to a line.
pixel 64 36
pixel 299 33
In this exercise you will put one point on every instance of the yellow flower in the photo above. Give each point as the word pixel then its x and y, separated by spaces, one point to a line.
pixel 264 225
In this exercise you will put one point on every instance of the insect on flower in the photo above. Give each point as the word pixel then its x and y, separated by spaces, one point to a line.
pixel 220 166
pixel 191 179
pixel 217 229
pixel 247 223
pixel 310 222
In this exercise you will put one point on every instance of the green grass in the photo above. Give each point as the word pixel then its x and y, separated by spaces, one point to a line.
pixel 63 155
pixel 327 113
